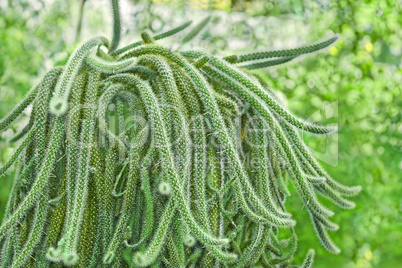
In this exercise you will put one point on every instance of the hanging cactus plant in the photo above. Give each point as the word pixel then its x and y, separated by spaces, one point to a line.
pixel 142 150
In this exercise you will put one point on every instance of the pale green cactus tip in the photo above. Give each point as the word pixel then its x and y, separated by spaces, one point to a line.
pixel 70 258
pixel 139 258
pixel 53 254
pixel 165 188
pixel 177 194
pixel 58 106
pixel 309 260
pixel 189 241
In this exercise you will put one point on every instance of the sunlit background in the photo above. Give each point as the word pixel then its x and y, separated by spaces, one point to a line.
pixel 359 78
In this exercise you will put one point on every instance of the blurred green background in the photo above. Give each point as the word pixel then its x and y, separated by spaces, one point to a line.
pixel 359 78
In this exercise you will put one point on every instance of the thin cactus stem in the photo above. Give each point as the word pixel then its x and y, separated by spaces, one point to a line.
pixel 267 63
pixel 156 37
pixel 145 187
pixel 257 55
pixel 116 25
pixel 143 259
pixel 180 134
pixel 35 233
pixel 259 144
pixel 43 176
pixel 58 103
pixel 308 261
pixel 72 134
pixel 81 186
pixel 129 195
pixel 19 108
pixel 195 31
pixel 18 151
pixel 108 67
pixel 250 250
pixel 20 134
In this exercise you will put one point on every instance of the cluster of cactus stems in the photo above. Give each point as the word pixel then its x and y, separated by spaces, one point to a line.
pixel 142 151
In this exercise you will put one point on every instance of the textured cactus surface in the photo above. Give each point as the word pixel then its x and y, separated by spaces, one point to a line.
pixel 140 156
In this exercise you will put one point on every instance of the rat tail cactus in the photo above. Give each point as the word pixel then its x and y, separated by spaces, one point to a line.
pixel 137 157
